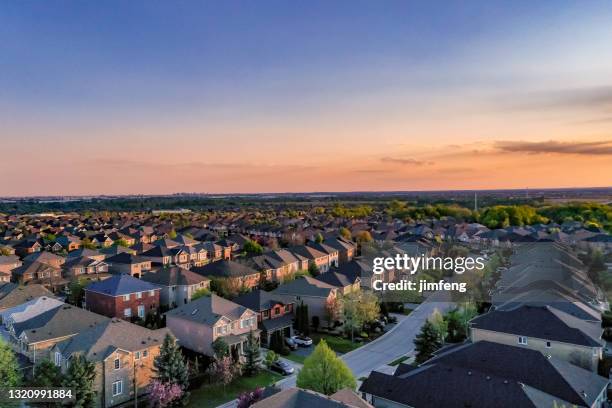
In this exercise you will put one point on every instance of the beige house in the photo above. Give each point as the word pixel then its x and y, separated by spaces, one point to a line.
pixel 121 352
pixel 199 323
pixel 550 331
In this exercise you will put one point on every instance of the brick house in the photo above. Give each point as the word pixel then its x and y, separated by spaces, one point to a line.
pixel 241 275
pixel 122 296
pixel 128 263
pixel 123 355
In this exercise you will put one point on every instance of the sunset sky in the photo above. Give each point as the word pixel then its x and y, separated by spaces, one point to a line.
pixel 126 97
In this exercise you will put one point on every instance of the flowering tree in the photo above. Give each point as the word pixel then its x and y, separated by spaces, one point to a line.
pixel 246 399
pixel 162 395
pixel 225 370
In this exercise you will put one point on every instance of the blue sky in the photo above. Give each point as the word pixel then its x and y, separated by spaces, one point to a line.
pixel 124 78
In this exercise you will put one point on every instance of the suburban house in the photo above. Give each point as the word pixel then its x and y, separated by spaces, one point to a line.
pixel 123 355
pixel 272 314
pixel 122 296
pixel 314 256
pixel 37 272
pixel 177 284
pixel 159 255
pixel 12 295
pixel 346 248
pixel 215 252
pixel 69 242
pixel 45 257
pixel 24 311
pixel 8 263
pixel 35 336
pixel 331 252
pixel 345 282
pixel 85 253
pixel 126 263
pixel 548 330
pixel 76 267
pixel 486 374
pixel 280 264
pixel 359 268
pixel 199 323
pixel 240 275
pixel 310 291
pixel 26 247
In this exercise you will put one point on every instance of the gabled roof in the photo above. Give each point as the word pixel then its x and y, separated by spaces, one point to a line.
pixel 542 323
pixel 337 279
pixel 299 398
pixel 305 286
pixel 224 269
pixel 258 300
pixel 59 322
pixel 125 258
pixel 485 374
pixel 12 294
pixel 118 285
pixel 44 257
pixel 98 342
pixel 208 310
pixel 173 276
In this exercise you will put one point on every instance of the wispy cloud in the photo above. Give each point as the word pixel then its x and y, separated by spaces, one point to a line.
pixel 596 148
pixel 406 162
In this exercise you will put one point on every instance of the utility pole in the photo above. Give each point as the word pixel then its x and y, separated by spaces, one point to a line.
pixel 475 201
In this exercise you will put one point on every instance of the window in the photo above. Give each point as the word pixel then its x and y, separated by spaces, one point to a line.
pixel 151 293
pixel 117 388
pixel 548 344
pixel 522 340
pixel 137 355
pixel 117 363
pixel 127 312
pixel 266 313
pixel 138 295
pixel 58 359
pixel 126 297
pixel 141 311
pixel 287 308
pixel 145 353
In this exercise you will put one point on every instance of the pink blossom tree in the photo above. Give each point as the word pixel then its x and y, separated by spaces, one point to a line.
pixel 248 398
pixel 162 395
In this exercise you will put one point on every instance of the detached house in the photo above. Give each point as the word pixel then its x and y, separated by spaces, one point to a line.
pixel 177 284
pixel 129 264
pixel 122 353
pixel 273 314
pixel 314 256
pixel 198 324
pixel 241 275
pixel 314 293
pixel 281 264
pixel 122 296
pixel 546 329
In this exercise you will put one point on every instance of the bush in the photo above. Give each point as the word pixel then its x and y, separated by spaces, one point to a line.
pixel 607 334
pixel 606 319
pixel 392 319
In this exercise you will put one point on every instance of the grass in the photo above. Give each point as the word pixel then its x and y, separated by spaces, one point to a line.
pixel 210 396
pixel 406 312
pixel 398 361
pixel 297 358
pixel 338 344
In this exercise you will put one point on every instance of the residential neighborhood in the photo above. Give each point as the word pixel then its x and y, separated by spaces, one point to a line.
pixel 534 331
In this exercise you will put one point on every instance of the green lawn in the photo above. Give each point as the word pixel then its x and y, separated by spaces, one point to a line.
pixel 338 344
pixel 295 358
pixel 398 361
pixel 210 396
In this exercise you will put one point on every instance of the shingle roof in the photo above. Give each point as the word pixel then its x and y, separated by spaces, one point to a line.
pixel 225 269
pixel 122 284
pixel 258 300
pixel 208 310
pixel 299 398
pixel 543 323
pixel 173 276
pixel 305 286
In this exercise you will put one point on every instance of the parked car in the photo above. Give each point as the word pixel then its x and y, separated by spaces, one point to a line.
pixel 290 343
pixel 302 341
pixel 282 367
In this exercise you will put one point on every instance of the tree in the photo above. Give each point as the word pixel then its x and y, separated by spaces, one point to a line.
pixel 248 398
pixel 313 269
pixel 200 293
pixel 456 330
pixel 9 368
pixel 170 367
pixel 252 355
pixel 220 348
pixel 440 325
pixel 302 321
pixel 363 236
pixel 122 243
pixel 47 375
pixel 164 395
pixel 80 378
pixel 86 243
pixel 426 342
pixel 172 234
pixel 318 238
pixel 76 293
pixel 252 248
pixel 345 233
pixel 271 357
pixel 325 372
pixel 225 370
pixel 315 323
pixel 359 307
pixel 333 306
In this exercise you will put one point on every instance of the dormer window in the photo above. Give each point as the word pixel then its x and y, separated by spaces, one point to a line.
pixel 138 295
pixel 522 340
pixel 126 297
pixel 117 363
pixel 58 359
